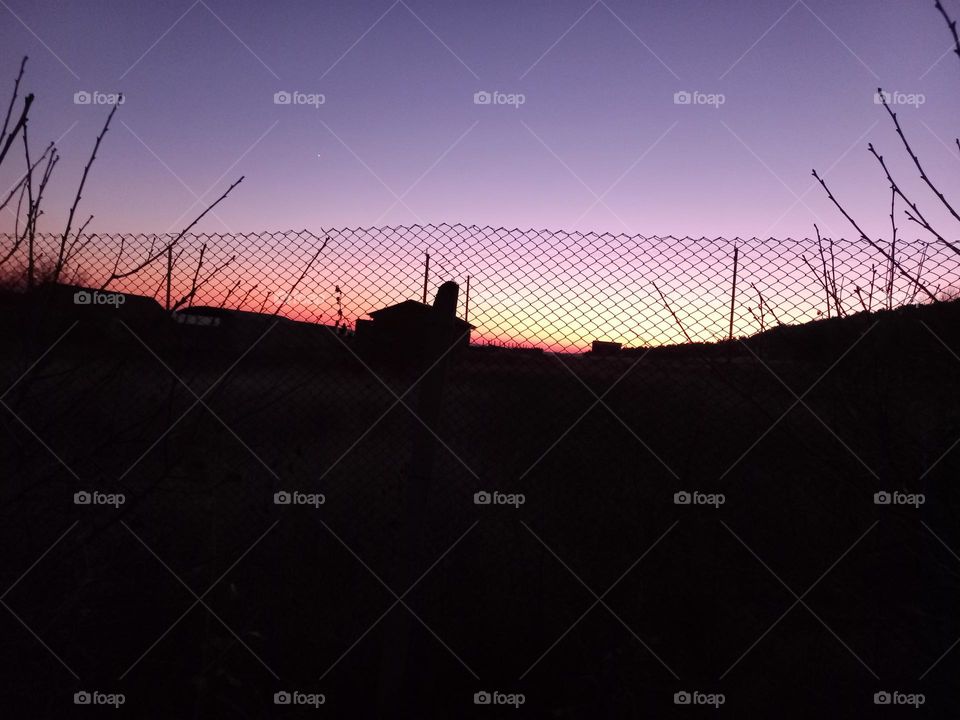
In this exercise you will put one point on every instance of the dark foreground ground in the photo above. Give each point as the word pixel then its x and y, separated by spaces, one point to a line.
pixel 399 596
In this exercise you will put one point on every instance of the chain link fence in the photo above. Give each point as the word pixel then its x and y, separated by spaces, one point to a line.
pixel 552 465
pixel 557 291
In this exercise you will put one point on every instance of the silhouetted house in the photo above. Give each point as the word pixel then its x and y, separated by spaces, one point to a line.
pixel 80 302
pixel 404 329
pixel 236 330
pixel 604 347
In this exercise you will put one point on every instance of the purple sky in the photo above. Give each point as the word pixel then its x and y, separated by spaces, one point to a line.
pixel 399 118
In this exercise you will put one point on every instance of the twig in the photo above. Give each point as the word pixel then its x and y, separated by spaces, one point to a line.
pixel 860 298
pixel 952 24
pixel 837 294
pixel 830 279
pixel 123 239
pixel 759 306
pixel 74 248
pixel 153 257
pixel 821 281
pixel 670 309
pixel 196 274
pixel 917 216
pixel 245 295
pixel 305 271
pixel 189 296
pixel 23 178
pixel 823 262
pixel 13 99
pixel 871 242
pixel 912 154
pixel 28 226
pixel 923 259
pixel 230 292
pixel 766 305
pixel 21 125
pixel 76 200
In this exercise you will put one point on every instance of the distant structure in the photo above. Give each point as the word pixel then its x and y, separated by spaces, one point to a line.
pixel 403 329
pixel 76 301
pixel 605 347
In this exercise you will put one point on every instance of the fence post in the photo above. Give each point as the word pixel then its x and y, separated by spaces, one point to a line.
pixel 169 273
pixel 733 291
pixel 401 677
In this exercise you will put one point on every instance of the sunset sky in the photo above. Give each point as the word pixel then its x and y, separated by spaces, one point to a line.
pixel 679 118
pixel 598 142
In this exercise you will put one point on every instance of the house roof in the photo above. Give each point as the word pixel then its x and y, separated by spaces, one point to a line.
pixel 411 311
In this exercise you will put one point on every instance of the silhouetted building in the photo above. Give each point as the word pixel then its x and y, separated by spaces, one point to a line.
pixel 80 302
pixel 404 329
pixel 605 347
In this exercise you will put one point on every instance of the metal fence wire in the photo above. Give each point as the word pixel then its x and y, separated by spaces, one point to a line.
pixel 715 379
pixel 553 290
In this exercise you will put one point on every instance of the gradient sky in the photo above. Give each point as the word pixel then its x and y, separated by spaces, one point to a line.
pixel 399 121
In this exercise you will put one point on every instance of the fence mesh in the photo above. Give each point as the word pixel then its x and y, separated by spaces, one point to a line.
pixel 557 291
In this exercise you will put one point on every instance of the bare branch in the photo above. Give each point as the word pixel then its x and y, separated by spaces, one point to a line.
pixel 302 275
pixel 123 239
pixel 196 274
pixel 829 284
pixel 246 295
pixel 230 292
pixel 23 179
pixel 21 125
pixel 670 310
pixel 73 208
pixel 73 251
pixel 952 24
pixel 872 243
pixel 923 259
pixel 820 280
pixel 13 99
pixel 860 298
pixel 160 253
pixel 913 156
pixel 197 285
pixel 765 304
pixel 919 218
